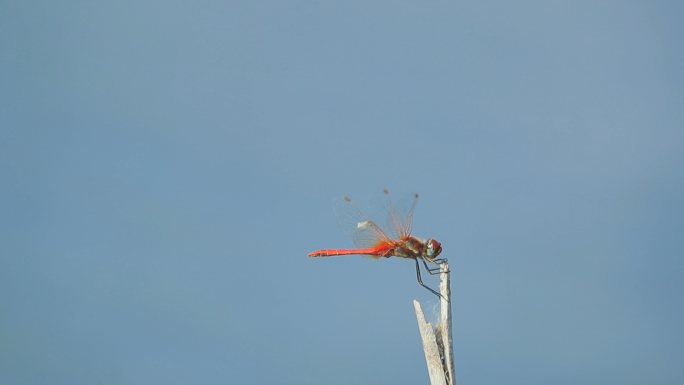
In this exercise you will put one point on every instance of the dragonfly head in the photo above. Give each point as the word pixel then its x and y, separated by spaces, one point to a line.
pixel 432 249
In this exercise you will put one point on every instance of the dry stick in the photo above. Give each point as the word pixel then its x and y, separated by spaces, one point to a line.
pixel 434 362
pixel 439 353
pixel 445 321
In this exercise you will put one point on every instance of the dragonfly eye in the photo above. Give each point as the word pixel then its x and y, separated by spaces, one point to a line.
pixel 433 249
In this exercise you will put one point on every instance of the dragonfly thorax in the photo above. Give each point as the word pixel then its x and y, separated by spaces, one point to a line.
pixel 410 247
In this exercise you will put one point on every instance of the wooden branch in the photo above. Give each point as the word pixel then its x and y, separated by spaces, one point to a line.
pixel 432 356
pixel 445 322
pixel 437 344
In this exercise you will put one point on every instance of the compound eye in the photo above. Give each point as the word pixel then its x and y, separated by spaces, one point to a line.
pixel 430 249
pixel 434 248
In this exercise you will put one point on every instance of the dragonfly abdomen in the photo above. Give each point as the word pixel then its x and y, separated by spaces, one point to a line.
pixel 376 252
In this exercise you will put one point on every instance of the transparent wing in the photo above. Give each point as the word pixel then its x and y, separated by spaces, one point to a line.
pixel 400 215
pixel 363 232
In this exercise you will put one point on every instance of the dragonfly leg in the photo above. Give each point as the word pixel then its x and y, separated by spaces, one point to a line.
pixel 420 281
pixel 434 270
pixel 431 271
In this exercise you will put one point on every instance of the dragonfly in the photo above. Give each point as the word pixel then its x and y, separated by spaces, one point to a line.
pixel 373 242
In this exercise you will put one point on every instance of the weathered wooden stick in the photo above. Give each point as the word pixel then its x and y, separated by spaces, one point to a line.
pixel 439 352
pixel 445 322
pixel 432 356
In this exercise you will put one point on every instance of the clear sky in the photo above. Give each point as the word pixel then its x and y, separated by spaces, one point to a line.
pixel 166 166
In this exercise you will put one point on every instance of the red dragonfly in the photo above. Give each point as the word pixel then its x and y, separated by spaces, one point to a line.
pixel 373 242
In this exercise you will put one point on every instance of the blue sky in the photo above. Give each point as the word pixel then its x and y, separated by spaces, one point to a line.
pixel 165 167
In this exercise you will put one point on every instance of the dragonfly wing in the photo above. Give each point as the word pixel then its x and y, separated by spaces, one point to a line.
pixel 363 232
pixel 400 215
